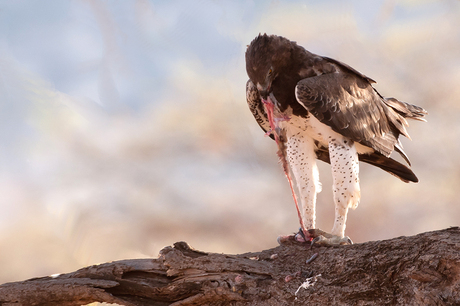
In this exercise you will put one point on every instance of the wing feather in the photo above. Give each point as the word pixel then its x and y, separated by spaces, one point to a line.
pixel 350 106
pixel 346 101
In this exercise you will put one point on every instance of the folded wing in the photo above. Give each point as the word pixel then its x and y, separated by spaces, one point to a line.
pixel 346 101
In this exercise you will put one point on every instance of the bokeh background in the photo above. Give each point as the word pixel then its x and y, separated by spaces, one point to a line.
pixel 124 126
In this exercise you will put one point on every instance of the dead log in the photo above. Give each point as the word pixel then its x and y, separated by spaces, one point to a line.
pixel 417 270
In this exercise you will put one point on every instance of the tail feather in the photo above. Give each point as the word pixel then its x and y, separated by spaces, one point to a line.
pixel 399 149
pixel 390 165
pixel 387 164
pixel 406 110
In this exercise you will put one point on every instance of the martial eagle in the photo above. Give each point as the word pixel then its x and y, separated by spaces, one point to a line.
pixel 316 107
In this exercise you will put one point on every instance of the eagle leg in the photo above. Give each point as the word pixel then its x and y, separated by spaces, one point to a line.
pixel 346 190
pixel 302 161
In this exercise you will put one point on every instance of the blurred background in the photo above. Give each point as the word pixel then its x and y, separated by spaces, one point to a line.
pixel 124 126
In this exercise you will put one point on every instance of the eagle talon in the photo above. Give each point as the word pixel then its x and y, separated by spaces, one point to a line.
pixel 301 237
pixel 321 237
pixel 297 237
pixel 317 240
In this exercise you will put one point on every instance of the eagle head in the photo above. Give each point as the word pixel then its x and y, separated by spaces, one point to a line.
pixel 266 57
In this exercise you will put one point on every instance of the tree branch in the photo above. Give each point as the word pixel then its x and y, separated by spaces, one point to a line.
pixel 418 270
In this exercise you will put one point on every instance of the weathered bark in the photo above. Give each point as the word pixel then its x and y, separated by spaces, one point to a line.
pixel 418 270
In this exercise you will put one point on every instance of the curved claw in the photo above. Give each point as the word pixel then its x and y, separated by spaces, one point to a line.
pixel 301 237
pixel 347 241
pixel 318 240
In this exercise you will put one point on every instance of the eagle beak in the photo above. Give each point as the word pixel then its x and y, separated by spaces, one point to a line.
pixel 263 91
pixel 264 94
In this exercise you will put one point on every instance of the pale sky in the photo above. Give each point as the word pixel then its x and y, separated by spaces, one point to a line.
pixel 124 126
